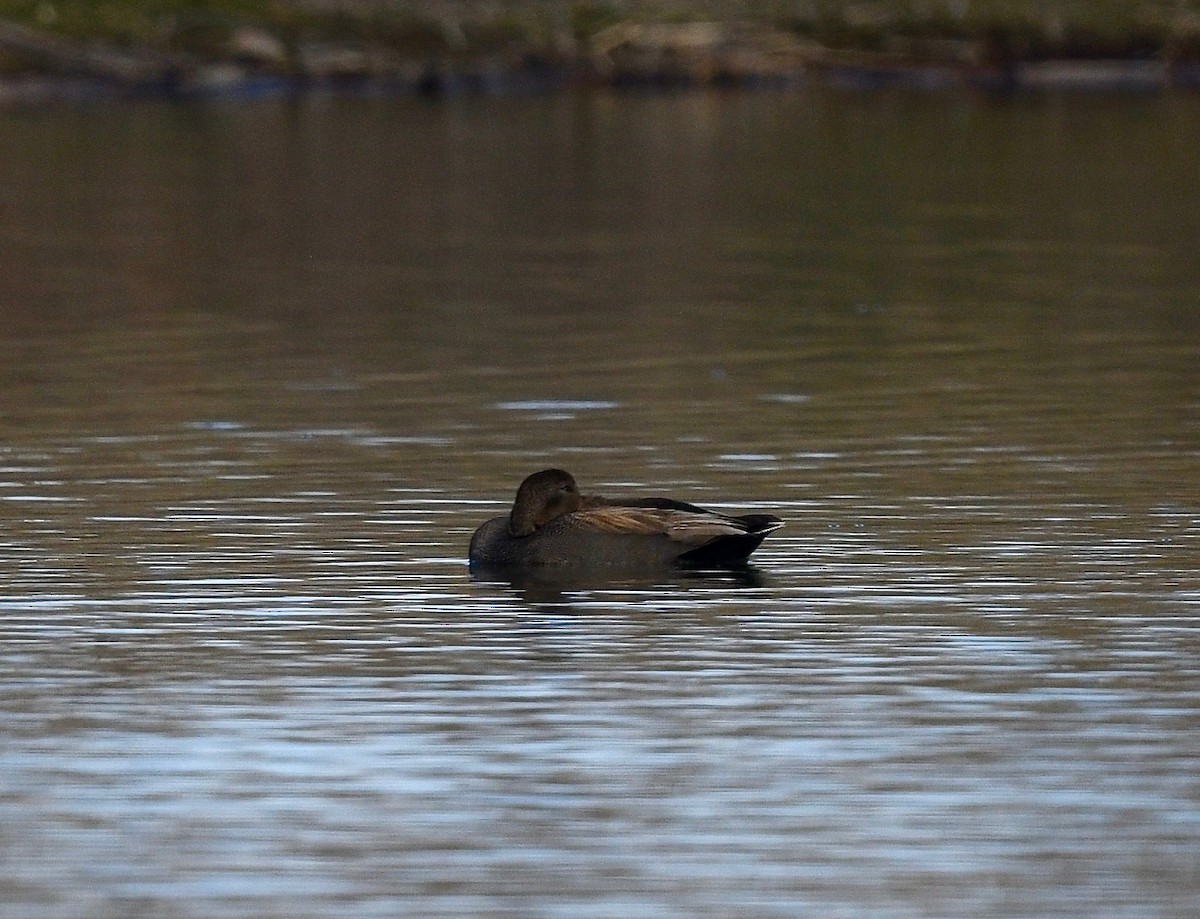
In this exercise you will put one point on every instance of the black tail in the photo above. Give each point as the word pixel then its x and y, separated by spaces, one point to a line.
pixel 732 551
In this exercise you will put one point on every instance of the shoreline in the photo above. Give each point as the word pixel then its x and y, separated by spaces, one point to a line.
pixel 242 60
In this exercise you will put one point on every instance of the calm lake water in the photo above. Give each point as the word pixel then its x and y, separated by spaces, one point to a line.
pixel 265 366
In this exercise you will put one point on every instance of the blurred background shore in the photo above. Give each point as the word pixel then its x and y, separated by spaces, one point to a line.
pixel 53 49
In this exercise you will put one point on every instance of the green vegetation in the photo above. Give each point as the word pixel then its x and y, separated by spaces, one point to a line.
pixel 202 25
pixel 124 21
pixel 1021 28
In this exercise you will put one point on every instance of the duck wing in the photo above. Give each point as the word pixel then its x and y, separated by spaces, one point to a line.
pixel 693 527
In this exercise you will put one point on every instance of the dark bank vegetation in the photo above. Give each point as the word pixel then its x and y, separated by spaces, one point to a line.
pixel 193 45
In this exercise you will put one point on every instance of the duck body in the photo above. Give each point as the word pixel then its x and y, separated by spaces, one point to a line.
pixel 551 523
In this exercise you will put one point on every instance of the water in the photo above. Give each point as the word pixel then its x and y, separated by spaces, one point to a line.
pixel 264 367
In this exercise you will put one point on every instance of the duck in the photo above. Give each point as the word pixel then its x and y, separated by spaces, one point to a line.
pixel 552 524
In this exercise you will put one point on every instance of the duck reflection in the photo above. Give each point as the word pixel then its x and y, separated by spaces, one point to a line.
pixel 562 586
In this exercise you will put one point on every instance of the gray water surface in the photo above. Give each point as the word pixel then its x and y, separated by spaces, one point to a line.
pixel 264 367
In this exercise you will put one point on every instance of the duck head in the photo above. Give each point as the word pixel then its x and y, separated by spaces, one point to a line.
pixel 541 498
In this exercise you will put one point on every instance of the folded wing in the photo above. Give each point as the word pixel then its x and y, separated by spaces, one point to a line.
pixel 690 528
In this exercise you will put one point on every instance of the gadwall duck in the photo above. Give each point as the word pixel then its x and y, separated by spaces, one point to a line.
pixel 551 523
